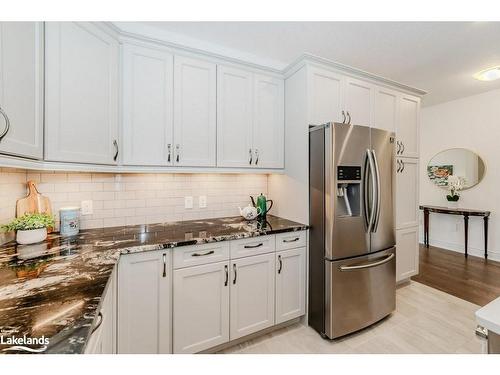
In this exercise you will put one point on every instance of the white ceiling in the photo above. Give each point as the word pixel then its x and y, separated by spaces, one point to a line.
pixel 438 57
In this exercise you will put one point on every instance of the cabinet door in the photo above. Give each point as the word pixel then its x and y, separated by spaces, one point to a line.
pixel 144 316
pixel 358 102
pixel 201 307
pixel 268 122
pixel 195 125
pixel 385 109
pixel 81 93
pixel 21 88
pixel 325 93
pixel 252 294
pixel 290 284
pixel 407 255
pixel 148 84
pixel 406 192
pixel 408 125
pixel 234 117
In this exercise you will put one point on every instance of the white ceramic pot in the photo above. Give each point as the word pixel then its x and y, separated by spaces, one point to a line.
pixel 26 237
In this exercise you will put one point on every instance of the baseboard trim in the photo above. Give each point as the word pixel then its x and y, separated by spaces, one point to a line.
pixel 459 248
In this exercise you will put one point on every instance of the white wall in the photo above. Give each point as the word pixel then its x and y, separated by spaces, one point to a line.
pixel 473 123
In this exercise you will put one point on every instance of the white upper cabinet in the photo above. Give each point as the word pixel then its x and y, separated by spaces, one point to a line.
pixel 385 109
pixel 144 307
pixel 358 102
pixel 21 88
pixel 268 122
pixel 407 126
pixel 250 119
pixel 325 96
pixel 147 106
pixel 81 93
pixel 234 117
pixel 195 113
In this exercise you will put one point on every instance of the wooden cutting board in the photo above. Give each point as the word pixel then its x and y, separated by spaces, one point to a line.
pixel 34 202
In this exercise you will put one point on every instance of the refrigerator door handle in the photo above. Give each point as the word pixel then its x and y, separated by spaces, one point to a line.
pixel 366 208
pixel 377 201
pixel 373 175
pixel 386 259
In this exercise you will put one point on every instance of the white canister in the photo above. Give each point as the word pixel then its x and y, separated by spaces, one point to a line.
pixel 69 218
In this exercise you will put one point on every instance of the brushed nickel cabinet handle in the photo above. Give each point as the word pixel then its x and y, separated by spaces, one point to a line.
pixel 292 240
pixel 164 265
pixel 253 246
pixel 203 254
pixel 227 275
pixel 403 150
pixel 7 124
pixel 281 264
pixel 177 151
pixel 343 117
pixel 402 166
pixel 256 156
pixel 115 143
pixel 169 152
pixel 235 273
pixel 349 118
pixel 251 156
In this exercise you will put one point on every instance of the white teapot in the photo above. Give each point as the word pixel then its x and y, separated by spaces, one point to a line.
pixel 250 212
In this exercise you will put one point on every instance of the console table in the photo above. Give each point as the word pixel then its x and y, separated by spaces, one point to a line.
pixel 457 211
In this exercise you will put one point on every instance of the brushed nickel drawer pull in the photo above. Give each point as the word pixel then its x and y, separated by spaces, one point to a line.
pixel 235 273
pixel 164 265
pixel 7 124
pixel 253 246
pixel 292 240
pixel 203 254
pixel 227 275
pixel 281 264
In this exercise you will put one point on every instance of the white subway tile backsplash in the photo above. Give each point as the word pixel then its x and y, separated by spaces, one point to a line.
pixel 126 199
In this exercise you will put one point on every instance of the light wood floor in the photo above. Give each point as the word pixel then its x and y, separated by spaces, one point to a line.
pixel 426 320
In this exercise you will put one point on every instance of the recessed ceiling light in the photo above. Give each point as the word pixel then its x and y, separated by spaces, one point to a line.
pixel 488 74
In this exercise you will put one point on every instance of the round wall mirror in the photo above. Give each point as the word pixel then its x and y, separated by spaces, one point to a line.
pixel 459 162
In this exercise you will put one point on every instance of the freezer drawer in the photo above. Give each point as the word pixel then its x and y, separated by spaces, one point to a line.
pixel 359 292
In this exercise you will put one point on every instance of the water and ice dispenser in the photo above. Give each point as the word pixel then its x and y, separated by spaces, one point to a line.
pixel 348 191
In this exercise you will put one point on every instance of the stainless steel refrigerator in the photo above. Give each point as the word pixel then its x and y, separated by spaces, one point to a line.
pixel 352 258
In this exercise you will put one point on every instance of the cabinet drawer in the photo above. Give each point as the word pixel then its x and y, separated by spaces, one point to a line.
pixel 290 240
pixel 200 254
pixel 252 246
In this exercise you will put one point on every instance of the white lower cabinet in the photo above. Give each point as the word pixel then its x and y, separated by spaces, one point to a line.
pixel 406 253
pixel 144 306
pixel 290 284
pixel 103 337
pixel 252 294
pixel 201 307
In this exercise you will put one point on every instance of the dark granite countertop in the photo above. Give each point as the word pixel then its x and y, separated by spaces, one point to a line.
pixel 53 289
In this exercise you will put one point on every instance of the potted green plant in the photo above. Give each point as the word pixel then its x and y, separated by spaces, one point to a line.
pixel 455 184
pixel 30 228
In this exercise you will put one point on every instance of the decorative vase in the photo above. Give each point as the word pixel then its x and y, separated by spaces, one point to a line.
pixel 452 201
pixel 27 237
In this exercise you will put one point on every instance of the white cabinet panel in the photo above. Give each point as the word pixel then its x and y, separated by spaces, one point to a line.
pixel 81 93
pixel 234 117
pixel 406 192
pixel 358 102
pixel 21 88
pixel 407 125
pixel 385 109
pixel 325 96
pixel 144 317
pixel 407 253
pixel 252 294
pixel 195 112
pixel 147 106
pixel 290 284
pixel 268 122
pixel 291 240
pixel 201 307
